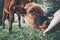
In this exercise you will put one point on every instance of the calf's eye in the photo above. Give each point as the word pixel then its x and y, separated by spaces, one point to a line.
pixel 32 12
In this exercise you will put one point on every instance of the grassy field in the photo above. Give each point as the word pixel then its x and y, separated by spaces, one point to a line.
pixel 26 33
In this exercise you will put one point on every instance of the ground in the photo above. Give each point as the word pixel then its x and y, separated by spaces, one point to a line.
pixel 26 33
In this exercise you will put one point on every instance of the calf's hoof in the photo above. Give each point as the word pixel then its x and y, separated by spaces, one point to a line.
pixel 10 32
pixel 20 27
pixel 3 28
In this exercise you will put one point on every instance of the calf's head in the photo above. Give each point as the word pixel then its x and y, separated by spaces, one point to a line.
pixel 35 16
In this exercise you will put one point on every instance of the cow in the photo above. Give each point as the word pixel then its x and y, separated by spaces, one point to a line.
pixel 55 22
pixel 35 16
pixel 11 7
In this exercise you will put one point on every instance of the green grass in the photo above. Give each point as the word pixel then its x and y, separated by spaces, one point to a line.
pixel 26 33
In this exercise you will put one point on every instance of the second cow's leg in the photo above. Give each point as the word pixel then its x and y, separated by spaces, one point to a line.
pixel 11 17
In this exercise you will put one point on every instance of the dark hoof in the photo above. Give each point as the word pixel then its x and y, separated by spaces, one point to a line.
pixel 3 28
pixel 20 27
pixel 10 32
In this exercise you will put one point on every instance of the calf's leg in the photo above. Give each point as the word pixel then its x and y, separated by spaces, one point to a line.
pixel 3 19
